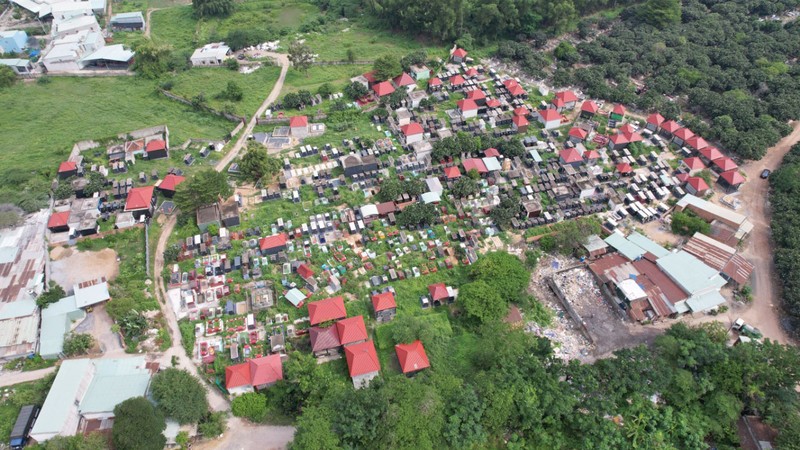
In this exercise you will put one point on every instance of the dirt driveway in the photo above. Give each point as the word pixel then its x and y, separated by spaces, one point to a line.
pixel 765 312
pixel 69 266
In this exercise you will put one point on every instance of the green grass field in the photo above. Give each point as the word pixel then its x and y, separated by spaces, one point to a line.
pixel 211 81
pixel 48 119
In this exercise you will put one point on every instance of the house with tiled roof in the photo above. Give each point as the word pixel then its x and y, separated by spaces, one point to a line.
pixel 591 156
pixel 577 134
pixel 654 122
pixel 441 294
pixel 156 149
pixel 324 341
pixel 476 164
pixel 362 363
pixel 169 183
pixel 669 128
pixel 549 118
pixel 404 80
pixel 452 172
pixel 471 72
pixel 255 374
pixel 731 180
pixel 351 330
pixel 298 126
pixel 493 103
pixel 692 165
pixel 412 357
pixel 326 310
pixel 682 135
pixel 696 143
pixel 412 133
pixel 274 244
pixel 468 108
pixel 383 89
pixel 724 164
pixel 624 169
pixel 141 201
pixel 589 109
pixel 618 112
pixel 697 186
pixel 514 89
pixel 519 124
pixel 67 169
pixel 458 56
pixel 434 84
pixel 570 156
pixel 384 306
pixel 564 100
pixel 58 222
pixel 709 154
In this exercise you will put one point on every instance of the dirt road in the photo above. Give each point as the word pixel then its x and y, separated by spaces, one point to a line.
pixel 10 379
pixel 283 61
pixel 765 312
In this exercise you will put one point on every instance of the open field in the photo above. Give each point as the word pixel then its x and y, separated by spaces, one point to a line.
pixel 48 119
pixel 211 81
pixel 336 76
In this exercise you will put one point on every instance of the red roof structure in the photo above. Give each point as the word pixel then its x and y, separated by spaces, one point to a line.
pixel 567 96
pixel 489 152
pixel 58 219
pixel 474 163
pixel 255 372
pixel 298 121
pixel 370 76
pixel 670 126
pixel 403 79
pixel 476 94
pixel 697 143
pixel 493 103
pixel 467 105
pixel 694 163
pixel 438 291
pixel 471 72
pixel 725 164
pixel 624 168
pixel 383 89
pixel 452 172
pixel 460 53
pixel 590 107
pixel 155 145
pixel 516 91
pixel 655 119
pixel 274 241
pixel 710 153
pixel 351 330
pixel 682 177
pixel 684 134
pixel 170 182
pixel 323 338
pixel 521 111
pixel 627 129
pixel 578 133
pixel 412 357
pixel 386 208
pixel 570 156
pixel 412 129
pixel 435 81
pixel 619 110
pixel 304 271
pixel 520 121
pixel 328 309
pixel 558 103
pixel 698 184
pixel 383 301
pixel 139 198
pixel 362 358
pixel 732 177
pixel 619 139
pixel 67 166
pixel 549 115
pixel 457 80
pixel 590 154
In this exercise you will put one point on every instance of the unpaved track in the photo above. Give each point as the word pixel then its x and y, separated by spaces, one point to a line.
pixel 765 312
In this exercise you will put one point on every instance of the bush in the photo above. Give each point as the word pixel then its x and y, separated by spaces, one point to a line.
pixel 78 344
pixel 232 64
pixel 212 424
pixel 138 426
pixel 52 295
pixel 688 223
pixel 180 395
pixel 252 406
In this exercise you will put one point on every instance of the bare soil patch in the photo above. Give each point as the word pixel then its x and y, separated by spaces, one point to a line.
pixel 69 267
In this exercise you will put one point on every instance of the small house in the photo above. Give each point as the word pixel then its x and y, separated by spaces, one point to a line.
pixel 514 89
pixel 441 294
pixel 477 96
pixel 571 157
pixel 669 128
pixel 434 84
pixel 210 55
pixel 130 21
pixel 420 72
pixel 681 136
pixel 654 122
pixel 519 124
pixel 229 213
pixel 404 81
pixel 696 143
pixel 595 246
pixel 13 41
pixel 468 108
pixel 458 56
pixel 156 149
pixel 724 164
pixel 710 154
pixel 412 357
pixel 324 341
pixel 298 126
pixel 618 112
pixel 351 331
pixel 255 374
pixel 58 222
pixel 326 310
pixel 412 133
pixel 452 173
pixel 18 65
pixel 577 135
pixel 589 109
pixel 697 186
pixel 549 118
pixel 169 184
pixel 564 100
pixel 208 215
pixel 456 82
pixel 383 89
pixel 362 363
pixel 692 165
pixel 141 202
pixel 272 245
pixel 67 169
pixel 731 180
pixel 384 306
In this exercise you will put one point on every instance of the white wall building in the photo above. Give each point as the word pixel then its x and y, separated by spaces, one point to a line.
pixel 210 55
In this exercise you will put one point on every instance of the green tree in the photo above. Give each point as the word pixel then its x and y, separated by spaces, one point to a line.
pixel 182 439
pixel 91 441
pixel 503 272
pixel 687 223
pixel 417 57
pixel 232 64
pixel 315 430
pixel 482 302
pixel 78 344
pixel 138 426
pixel 301 56
pixel 508 209
pixel 386 67
pixel 233 92
pixel 464 187
pixel 355 90
pixel 417 214
pixel 252 406
pixel 212 8
pixel 7 77
pixel 203 188
pixel 661 13
pixel 179 395
pixel 325 90
pixel 152 59
pixel 463 428
pixel 256 164
pixel 213 424
pixel 351 55
pixel 391 189
pixel 53 294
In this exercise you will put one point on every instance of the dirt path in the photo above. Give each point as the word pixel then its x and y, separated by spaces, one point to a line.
pixel 10 379
pixel 283 60
pixel 765 312
pixel 147 21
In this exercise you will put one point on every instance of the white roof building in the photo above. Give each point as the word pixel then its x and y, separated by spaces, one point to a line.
pixel 62 27
pixel 210 54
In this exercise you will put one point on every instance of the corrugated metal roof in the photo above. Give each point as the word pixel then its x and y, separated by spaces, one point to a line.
pixel 690 273
pixel 647 245
pixel 624 246
pixel 705 301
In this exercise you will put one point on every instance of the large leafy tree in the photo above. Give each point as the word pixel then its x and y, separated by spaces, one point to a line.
pixel 503 272
pixel 212 8
pixel 256 164
pixel 301 56
pixel 482 302
pixel 252 406
pixel 386 67
pixel 7 77
pixel 203 188
pixel 152 59
pixel 138 426
pixel 180 395
pixel 661 12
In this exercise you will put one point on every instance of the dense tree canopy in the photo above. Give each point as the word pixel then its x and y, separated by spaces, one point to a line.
pixel 203 188
pixel 256 164
pixel 179 395
pixel 785 199
pixel 212 8
pixel 138 426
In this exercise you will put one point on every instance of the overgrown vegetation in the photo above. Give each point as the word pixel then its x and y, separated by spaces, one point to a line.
pixel 78 344
pixel 687 223
pixel 784 197
pixel 180 395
